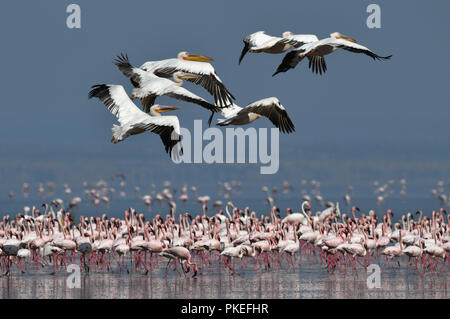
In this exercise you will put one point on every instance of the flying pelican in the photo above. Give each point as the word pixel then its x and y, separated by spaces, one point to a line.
pixel 148 86
pixel 260 42
pixel 133 121
pixel 315 52
pixel 193 64
pixel 269 107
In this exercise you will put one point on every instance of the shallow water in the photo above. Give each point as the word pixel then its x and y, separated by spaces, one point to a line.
pixel 308 280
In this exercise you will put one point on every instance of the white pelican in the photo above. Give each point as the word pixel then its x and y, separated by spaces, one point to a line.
pixel 193 64
pixel 315 52
pixel 149 86
pixel 133 121
pixel 260 42
pixel 269 107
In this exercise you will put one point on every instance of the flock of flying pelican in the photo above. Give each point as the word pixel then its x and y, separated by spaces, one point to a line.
pixel 153 79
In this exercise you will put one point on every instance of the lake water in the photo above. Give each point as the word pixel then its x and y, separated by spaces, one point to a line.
pixel 308 280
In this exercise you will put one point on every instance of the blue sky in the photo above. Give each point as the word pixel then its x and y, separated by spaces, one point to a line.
pixel 47 70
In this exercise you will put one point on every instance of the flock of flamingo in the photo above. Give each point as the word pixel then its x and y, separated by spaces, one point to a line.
pixel 50 237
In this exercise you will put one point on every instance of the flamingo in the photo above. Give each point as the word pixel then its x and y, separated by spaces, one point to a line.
pixel 183 255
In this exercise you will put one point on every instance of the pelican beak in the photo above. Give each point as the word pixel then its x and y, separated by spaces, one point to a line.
pixel 198 58
pixel 343 37
pixel 166 108
pixel 188 76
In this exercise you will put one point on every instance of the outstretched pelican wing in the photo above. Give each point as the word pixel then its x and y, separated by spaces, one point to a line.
pixel 356 48
pixel 119 104
pixel 208 78
pixel 274 111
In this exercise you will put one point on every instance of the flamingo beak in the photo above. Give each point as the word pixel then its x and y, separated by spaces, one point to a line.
pixel 198 58
pixel 166 108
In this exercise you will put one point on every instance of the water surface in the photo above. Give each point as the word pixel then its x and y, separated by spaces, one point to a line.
pixel 307 280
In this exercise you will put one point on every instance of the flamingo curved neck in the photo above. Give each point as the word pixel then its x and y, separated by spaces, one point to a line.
pixel 228 212
pixel 303 210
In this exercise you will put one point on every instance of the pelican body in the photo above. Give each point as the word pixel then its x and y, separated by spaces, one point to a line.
pixel 134 121
pixel 269 107
pixel 315 52
pixel 261 42
pixel 148 86
pixel 193 64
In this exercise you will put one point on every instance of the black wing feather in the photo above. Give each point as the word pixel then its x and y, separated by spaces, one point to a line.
pixel 244 51
pixel 366 52
pixel 166 133
pixel 317 64
pixel 202 103
pixel 290 61
pixel 101 91
pixel 123 63
pixel 148 102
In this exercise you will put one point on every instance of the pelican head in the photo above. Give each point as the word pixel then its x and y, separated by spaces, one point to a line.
pixel 193 57
pixel 287 34
pixel 337 35
pixel 157 109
